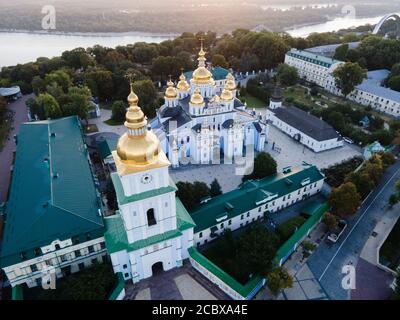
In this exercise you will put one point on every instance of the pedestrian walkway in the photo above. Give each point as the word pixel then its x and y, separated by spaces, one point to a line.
pixel 6 155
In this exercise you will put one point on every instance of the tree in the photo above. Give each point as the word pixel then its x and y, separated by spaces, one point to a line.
pixel 118 111
pixel 287 75
pixel 362 181
pixel 61 78
pixel 100 83
pixel 191 193
pixel 147 95
pixel 219 60
pixel 345 199
pixel 341 52
pixel 257 250
pixel 3 106
pixel 215 188
pixel 49 105
pixel 394 83
pixel 38 85
pixel 77 102
pixel 278 280
pixel 264 165
pixel 347 76
pixel 330 220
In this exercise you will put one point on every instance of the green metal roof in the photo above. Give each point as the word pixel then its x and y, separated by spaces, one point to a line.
pixel 312 57
pixel 116 239
pixel 251 193
pixel 106 147
pixel 123 199
pixel 52 194
pixel 243 290
pixel 288 246
pixel 217 72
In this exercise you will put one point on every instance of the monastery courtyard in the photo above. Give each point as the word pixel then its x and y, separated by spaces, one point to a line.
pixel 287 152
pixel 177 284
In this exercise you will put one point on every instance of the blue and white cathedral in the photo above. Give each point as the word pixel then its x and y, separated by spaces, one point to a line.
pixel 203 121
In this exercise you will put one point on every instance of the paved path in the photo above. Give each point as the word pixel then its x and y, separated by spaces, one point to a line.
pixel 6 155
pixel 327 262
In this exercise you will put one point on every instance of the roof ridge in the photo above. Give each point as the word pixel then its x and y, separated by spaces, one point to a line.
pixel 76 215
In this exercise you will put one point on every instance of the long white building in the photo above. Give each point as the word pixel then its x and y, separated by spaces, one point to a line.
pixel 371 92
pixel 53 222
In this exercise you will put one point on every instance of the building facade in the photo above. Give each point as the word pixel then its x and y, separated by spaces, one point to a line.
pixel 152 230
pixel 53 213
pixel 202 120
pixel 312 132
pixel 371 92
pixel 254 200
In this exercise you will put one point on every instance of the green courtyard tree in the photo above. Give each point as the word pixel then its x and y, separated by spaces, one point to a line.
pixel 49 105
pixel 330 220
pixel 287 75
pixel 347 76
pixel 215 188
pixel 118 111
pixel 345 199
pixel 60 77
pixel 264 165
pixel 191 193
pixel 278 280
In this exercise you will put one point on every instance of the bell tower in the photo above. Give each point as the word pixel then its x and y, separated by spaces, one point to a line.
pixel 147 229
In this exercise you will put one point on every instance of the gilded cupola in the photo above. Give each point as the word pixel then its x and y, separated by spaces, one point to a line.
pixel 202 75
pixel 171 92
pixel 197 98
pixel 230 82
pixel 139 148
pixel 182 84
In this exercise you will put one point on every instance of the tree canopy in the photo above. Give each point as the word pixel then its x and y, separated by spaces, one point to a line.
pixel 264 165
pixel 349 75
pixel 345 199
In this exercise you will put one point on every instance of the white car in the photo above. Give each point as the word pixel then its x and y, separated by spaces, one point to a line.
pixel 348 140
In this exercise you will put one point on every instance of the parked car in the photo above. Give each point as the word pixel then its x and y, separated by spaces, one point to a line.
pixel 335 234
pixel 348 140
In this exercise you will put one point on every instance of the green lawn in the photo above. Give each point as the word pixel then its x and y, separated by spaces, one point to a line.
pixel 112 122
pixel 253 102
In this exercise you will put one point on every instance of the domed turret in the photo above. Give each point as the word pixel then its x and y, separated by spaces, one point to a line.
pixel 138 146
pixel 202 75
pixel 182 84
pixel 197 98
pixel 171 92
pixel 230 82
pixel 226 95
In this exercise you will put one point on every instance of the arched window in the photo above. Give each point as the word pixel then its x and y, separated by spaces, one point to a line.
pixel 151 219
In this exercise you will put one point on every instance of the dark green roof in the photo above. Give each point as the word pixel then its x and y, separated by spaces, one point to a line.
pixel 123 199
pixel 116 239
pixel 250 195
pixel 106 147
pixel 243 290
pixel 217 72
pixel 52 194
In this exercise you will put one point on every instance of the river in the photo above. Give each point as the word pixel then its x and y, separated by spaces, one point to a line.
pixel 22 47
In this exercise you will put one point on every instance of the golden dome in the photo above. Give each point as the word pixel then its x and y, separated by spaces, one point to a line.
pixel 197 98
pixel 138 150
pixel 171 92
pixel 216 99
pixel 202 74
pixel 226 95
pixel 230 85
pixel 182 84
pixel 138 146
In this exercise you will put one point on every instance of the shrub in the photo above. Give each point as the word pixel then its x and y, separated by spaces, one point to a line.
pixel 289 227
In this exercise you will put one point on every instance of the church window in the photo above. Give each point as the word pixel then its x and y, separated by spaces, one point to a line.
pixel 57 246
pixel 125 266
pixel 187 139
pixel 241 217
pixel 151 219
pixel 259 209
pixel 126 275
pixel 166 204
pixel 200 234
pixel 222 225
pixel 229 222
pixel 34 268
pixel 248 214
